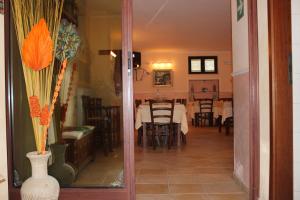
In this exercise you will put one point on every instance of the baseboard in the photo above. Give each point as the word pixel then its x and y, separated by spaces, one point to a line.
pixel 241 184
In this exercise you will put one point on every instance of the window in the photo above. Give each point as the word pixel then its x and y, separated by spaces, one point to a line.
pixel 203 64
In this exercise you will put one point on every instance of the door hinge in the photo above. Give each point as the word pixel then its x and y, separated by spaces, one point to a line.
pixel 290 69
pixel 129 63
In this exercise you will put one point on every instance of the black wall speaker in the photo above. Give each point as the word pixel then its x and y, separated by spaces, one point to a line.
pixel 137 60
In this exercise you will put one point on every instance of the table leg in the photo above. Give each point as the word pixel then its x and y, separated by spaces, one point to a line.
pixel 144 135
pixel 179 135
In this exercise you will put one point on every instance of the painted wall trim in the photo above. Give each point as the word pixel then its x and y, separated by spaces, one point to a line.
pixel 240 72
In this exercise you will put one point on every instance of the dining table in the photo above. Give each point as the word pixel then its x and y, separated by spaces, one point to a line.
pixel 143 116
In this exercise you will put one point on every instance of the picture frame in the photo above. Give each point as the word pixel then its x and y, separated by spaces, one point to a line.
pixel 162 78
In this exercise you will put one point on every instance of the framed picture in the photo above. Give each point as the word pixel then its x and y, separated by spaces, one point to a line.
pixel 162 78
pixel 240 9
pixel 1 6
pixel 203 64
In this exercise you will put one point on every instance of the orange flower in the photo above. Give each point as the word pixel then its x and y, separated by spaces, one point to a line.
pixel 34 104
pixel 37 48
pixel 44 120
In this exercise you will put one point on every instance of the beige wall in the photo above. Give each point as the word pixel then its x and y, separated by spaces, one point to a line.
pixel 241 94
pixel 144 89
pixel 3 149
pixel 264 93
pixel 103 33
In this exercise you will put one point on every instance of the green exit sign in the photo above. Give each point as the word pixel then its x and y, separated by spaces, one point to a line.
pixel 240 9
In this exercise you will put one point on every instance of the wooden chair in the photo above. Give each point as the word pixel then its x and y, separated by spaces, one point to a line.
pixel 112 113
pixel 94 116
pixel 85 105
pixel 181 101
pixel 138 102
pixel 158 129
pixel 229 122
pixel 205 114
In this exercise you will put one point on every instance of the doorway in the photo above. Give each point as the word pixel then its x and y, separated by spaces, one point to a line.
pixel 164 33
pixel 129 189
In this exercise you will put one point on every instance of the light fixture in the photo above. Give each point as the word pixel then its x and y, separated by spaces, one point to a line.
pixel 162 65
pixel 113 54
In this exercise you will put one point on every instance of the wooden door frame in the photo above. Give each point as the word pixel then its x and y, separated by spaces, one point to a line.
pixel 254 124
pixel 281 100
pixel 128 192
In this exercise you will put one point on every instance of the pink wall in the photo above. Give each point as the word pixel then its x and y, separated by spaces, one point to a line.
pixel 241 127
pixel 144 89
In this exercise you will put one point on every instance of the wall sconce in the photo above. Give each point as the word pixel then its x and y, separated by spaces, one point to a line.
pixel 113 54
pixel 162 65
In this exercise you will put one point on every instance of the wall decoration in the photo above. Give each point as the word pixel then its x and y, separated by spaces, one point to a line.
pixel 240 9
pixel 162 78
pixel 1 6
pixel 68 41
pixel 203 89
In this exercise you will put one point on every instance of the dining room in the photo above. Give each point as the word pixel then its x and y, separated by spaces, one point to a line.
pixel 190 103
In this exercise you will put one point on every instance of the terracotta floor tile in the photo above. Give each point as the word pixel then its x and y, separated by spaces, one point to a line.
pixel 152 179
pixel 190 197
pixel 156 172
pixel 198 179
pixel 186 188
pixel 154 197
pixel 228 197
pixel 202 169
pixel 226 187
pixel 152 189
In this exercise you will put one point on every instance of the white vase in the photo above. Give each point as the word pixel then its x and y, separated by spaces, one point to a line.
pixel 40 186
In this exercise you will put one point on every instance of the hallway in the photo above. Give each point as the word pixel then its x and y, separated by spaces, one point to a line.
pixel 201 170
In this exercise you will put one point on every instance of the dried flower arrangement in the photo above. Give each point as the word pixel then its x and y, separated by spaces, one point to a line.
pixel 37 24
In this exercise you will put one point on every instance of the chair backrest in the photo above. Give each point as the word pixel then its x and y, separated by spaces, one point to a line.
pixel 162 109
pixel 206 105
pixel 138 102
pixel 181 101
pixel 94 107
pixel 85 104
pixel 227 100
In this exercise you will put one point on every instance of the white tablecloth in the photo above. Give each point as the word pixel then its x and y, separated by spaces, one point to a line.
pixel 224 109
pixel 143 116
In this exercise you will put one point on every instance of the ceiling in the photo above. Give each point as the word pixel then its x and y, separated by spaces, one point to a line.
pixel 189 25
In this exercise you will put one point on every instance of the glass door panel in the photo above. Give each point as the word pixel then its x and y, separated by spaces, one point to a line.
pixel 87 133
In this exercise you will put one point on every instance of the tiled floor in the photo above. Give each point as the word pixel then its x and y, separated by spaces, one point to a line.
pixel 201 170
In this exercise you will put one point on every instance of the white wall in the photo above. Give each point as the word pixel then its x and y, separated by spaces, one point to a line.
pixel 296 93
pixel 3 149
pixel 264 93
